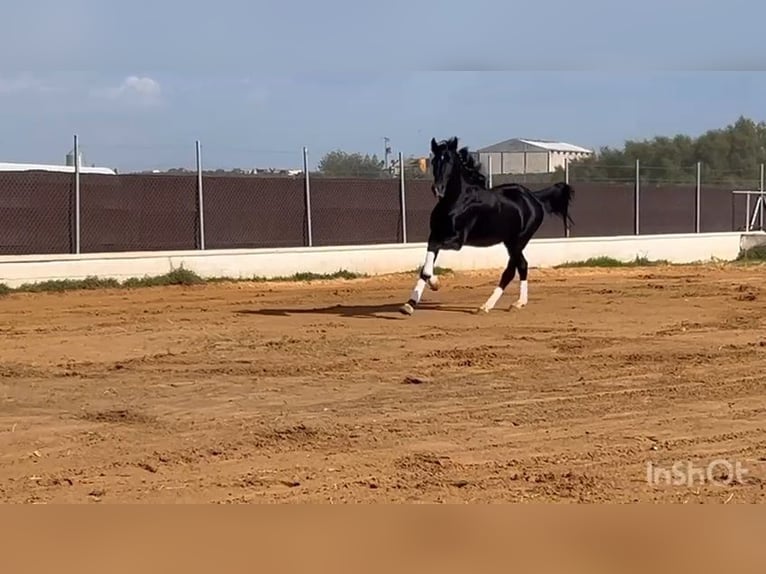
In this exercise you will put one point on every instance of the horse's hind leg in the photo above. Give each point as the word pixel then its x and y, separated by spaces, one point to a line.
pixel 505 280
pixel 521 265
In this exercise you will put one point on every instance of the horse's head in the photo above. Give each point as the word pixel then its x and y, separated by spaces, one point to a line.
pixel 444 164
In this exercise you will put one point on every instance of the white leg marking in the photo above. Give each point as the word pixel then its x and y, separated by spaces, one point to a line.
pixel 428 266
pixel 417 292
pixel 492 301
pixel 523 295
pixel 409 307
pixel 428 271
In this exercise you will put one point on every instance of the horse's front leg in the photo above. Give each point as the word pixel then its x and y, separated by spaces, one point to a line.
pixel 427 272
pixel 426 277
pixel 454 242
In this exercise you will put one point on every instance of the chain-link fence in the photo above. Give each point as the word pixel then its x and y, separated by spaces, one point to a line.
pixel 138 213
pixel 242 212
pixel 37 213
pixel 44 212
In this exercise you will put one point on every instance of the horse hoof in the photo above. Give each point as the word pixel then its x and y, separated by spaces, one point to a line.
pixel 481 310
pixel 406 309
pixel 433 283
pixel 517 305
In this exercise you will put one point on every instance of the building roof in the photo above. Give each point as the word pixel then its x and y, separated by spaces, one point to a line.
pixel 5 166
pixel 523 144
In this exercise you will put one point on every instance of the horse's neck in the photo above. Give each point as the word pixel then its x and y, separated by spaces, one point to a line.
pixel 472 179
pixel 455 186
pixel 475 181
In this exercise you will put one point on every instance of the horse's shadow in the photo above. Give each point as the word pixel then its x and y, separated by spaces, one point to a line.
pixel 388 311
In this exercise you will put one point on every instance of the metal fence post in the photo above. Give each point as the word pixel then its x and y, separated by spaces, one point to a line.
pixel 760 213
pixel 402 197
pixel 76 195
pixel 568 231
pixel 200 198
pixel 489 169
pixel 697 199
pixel 307 189
pixel 637 198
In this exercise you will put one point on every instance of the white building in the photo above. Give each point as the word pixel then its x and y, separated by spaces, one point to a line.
pixel 518 156
pixel 6 166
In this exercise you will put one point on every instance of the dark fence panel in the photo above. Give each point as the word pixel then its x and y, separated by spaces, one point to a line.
pixel 355 211
pixel 253 212
pixel 138 212
pixel 141 212
pixel 36 213
pixel 602 209
pixel 420 201
pixel 667 208
pixel 717 209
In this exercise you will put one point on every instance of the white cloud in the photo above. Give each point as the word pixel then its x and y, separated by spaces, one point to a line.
pixel 135 89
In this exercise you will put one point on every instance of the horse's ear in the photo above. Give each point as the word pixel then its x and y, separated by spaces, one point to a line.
pixel 434 146
pixel 452 144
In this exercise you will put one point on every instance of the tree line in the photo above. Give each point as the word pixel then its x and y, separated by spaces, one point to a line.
pixel 338 163
pixel 730 154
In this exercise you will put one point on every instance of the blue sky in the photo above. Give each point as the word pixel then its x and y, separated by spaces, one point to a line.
pixel 256 81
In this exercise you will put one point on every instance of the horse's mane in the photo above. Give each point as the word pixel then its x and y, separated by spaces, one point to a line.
pixel 471 168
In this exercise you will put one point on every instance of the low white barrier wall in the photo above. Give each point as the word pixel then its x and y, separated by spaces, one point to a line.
pixel 369 259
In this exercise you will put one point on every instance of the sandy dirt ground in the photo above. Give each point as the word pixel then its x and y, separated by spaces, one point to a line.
pixel 323 392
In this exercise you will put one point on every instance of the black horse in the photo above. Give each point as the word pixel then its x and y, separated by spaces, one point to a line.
pixel 467 212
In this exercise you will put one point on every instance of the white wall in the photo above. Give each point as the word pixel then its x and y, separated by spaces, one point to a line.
pixel 676 248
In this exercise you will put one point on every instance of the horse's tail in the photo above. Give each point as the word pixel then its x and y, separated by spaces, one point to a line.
pixel 556 200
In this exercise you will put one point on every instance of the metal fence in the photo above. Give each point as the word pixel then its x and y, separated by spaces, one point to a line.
pixel 49 212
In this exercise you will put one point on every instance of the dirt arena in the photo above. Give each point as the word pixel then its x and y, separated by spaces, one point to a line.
pixel 323 392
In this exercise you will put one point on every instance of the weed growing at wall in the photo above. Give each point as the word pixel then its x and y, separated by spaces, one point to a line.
pixel 178 276
pixel 612 262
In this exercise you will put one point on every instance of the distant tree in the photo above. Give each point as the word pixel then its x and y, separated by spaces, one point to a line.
pixel 343 164
pixel 729 154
